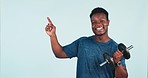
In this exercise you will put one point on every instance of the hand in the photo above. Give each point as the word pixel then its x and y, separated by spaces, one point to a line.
pixel 50 28
pixel 117 56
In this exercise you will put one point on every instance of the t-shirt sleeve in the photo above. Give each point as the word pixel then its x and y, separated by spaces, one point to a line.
pixel 71 50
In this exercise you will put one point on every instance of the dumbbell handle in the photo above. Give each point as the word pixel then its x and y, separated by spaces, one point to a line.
pixel 106 61
pixel 130 47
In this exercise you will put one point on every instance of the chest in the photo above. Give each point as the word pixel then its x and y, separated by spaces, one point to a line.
pixel 94 52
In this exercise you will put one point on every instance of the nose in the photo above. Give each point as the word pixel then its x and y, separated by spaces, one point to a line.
pixel 98 23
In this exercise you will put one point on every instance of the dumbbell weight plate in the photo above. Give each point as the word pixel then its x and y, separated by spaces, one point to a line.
pixel 109 59
pixel 124 50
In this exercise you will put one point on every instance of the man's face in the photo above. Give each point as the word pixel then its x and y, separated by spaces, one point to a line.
pixel 99 24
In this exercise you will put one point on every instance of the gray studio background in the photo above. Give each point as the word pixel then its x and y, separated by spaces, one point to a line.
pixel 25 46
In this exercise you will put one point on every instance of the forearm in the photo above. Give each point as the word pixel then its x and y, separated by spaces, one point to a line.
pixel 56 47
pixel 121 72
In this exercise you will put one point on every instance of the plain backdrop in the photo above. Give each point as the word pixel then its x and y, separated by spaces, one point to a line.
pixel 25 46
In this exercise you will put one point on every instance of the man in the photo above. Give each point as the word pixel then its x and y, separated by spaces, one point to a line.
pixel 90 50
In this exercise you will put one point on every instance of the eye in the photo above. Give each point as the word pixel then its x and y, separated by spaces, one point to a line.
pixel 93 22
pixel 101 21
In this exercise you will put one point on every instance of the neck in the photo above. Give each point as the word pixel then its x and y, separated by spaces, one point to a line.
pixel 103 38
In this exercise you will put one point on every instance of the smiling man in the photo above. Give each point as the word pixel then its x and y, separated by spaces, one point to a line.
pixel 90 50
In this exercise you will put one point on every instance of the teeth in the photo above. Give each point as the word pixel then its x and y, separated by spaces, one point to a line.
pixel 99 28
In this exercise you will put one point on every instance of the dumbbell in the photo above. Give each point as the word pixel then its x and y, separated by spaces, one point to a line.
pixel 123 49
pixel 108 59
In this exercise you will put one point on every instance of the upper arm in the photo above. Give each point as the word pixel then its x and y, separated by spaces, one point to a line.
pixel 72 49
pixel 62 55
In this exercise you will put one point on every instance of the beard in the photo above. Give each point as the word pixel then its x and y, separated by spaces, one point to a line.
pixel 101 34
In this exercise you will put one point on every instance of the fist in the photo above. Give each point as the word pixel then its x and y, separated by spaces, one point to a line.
pixel 117 56
pixel 50 28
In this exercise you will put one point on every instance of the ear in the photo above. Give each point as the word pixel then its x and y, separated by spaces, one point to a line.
pixel 108 22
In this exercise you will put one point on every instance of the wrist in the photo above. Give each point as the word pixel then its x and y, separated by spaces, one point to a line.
pixel 52 36
pixel 118 63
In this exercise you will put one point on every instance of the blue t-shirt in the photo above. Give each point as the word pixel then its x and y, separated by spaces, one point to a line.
pixel 90 55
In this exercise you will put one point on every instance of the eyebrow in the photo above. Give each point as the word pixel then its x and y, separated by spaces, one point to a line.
pixel 99 19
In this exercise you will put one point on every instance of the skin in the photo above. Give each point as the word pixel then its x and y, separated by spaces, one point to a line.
pixel 98 21
pixel 100 28
pixel 56 47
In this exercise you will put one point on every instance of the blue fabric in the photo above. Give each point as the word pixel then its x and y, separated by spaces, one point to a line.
pixel 90 55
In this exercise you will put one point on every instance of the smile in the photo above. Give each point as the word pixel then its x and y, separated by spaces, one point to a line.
pixel 100 28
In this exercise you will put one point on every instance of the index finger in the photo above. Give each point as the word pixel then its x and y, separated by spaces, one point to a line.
pixel 49 20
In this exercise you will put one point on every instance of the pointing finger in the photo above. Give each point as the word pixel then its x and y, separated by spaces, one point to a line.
pixel 49 20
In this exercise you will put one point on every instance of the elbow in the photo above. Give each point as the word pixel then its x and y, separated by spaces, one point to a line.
pixel 60 54
pixel 57 56
pixel 126 76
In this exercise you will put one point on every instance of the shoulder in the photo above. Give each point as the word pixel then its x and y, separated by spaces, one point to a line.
pixel 85 39
pixel 113 42
pixel 113 45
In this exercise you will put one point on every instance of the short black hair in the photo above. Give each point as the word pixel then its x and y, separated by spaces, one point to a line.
pixel 99 10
